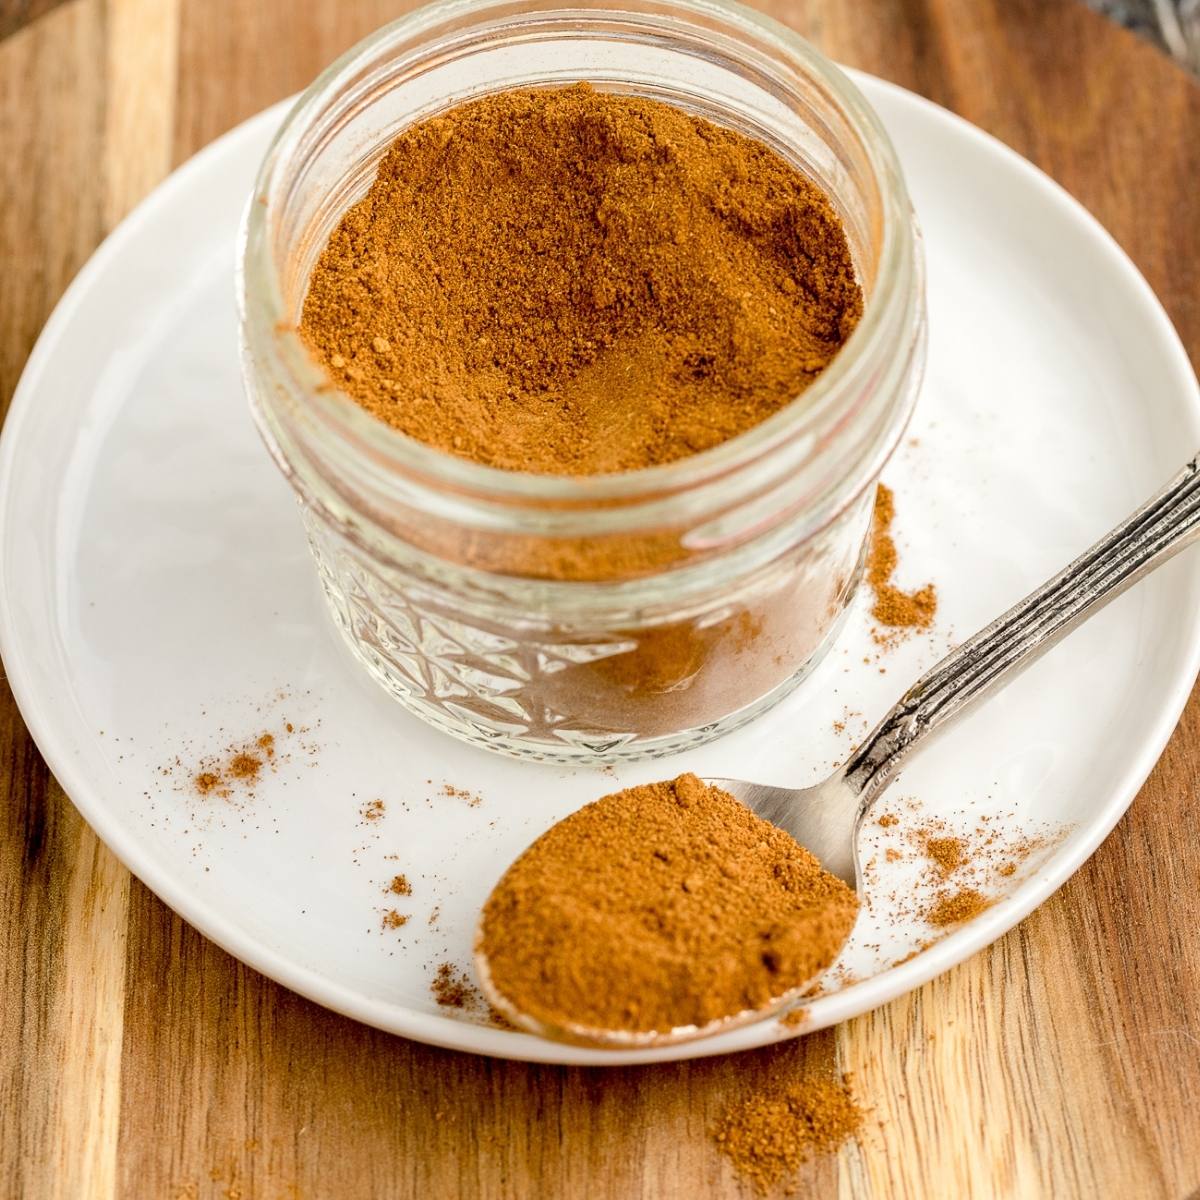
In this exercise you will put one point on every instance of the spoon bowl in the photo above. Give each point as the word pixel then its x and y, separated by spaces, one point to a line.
pixel 626 1039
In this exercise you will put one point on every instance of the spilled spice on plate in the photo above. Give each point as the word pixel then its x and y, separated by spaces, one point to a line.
pixel 453 988
pixel 665 905
pixel 768 1135
pixel 893 608
pixel 946 853
pixel 794 1017
pixel 206 782
pixel 399 886
pixel 239 767
pixel 966 861
pixel 473 799
pixel 955 907
pixel 245 766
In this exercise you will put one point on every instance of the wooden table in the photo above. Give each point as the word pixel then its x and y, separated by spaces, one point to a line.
pixel 140 1061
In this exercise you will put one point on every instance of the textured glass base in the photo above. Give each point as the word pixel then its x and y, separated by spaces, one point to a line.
pixel 563 745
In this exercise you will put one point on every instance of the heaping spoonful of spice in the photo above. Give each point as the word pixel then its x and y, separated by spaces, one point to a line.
pixel 682 909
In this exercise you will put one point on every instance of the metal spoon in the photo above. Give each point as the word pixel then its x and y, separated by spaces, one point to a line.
pixel 827 818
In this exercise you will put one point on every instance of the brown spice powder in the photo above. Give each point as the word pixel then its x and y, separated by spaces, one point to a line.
pixel 769 1135
pixel 894 608
pixel 206 782
pixel 400 886
pixel 946 853
pixel 473 799
pixel 664 905
pixel 453 988
pixel 245 766
pixel 572 282
pixel 794 1017
pixel 952 908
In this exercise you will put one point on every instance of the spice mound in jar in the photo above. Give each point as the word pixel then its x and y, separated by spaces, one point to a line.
pixel 572 282
pixel 661 906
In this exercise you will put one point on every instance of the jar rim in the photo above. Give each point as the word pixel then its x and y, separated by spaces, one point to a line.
pixel 408 455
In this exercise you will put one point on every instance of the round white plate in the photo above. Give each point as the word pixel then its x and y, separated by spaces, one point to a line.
pixel 159 604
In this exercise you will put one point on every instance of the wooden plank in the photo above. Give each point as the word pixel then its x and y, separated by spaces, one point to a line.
pixel 60 979
pixel 81 158
pixel 273 1096
pixel 142 39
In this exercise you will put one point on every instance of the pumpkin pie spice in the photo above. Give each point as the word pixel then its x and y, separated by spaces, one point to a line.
pixel 664 905
pixel 574 282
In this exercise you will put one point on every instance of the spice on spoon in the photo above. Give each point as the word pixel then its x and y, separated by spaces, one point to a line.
pixel 665 905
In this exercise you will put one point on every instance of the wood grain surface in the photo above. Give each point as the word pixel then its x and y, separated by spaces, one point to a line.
pixel 138 1060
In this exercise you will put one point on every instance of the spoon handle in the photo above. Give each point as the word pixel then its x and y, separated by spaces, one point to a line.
pixel 1157 531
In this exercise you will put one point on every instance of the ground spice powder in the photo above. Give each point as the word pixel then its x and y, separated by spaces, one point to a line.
pixel 768 1135
pixel 568 281
pixel 946 853
pixel 893 608
pixel 664 905
pixel 952 908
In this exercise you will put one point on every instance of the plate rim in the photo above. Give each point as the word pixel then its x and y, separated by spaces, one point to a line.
pixel 53 740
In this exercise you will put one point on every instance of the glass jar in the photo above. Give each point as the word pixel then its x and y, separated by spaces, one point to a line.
pixel 623 615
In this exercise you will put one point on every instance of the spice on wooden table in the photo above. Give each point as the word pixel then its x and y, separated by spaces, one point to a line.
pixel 769 1134
pixel 664 905
pixel 569 281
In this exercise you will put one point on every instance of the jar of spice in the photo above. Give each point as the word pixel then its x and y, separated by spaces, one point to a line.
pixel 565 617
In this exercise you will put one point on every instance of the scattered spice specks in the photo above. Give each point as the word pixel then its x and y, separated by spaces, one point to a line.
pixel 207 781
pixel 453 988
pixel 473 799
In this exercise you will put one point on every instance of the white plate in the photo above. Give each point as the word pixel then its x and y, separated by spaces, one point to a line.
pixel 158 596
